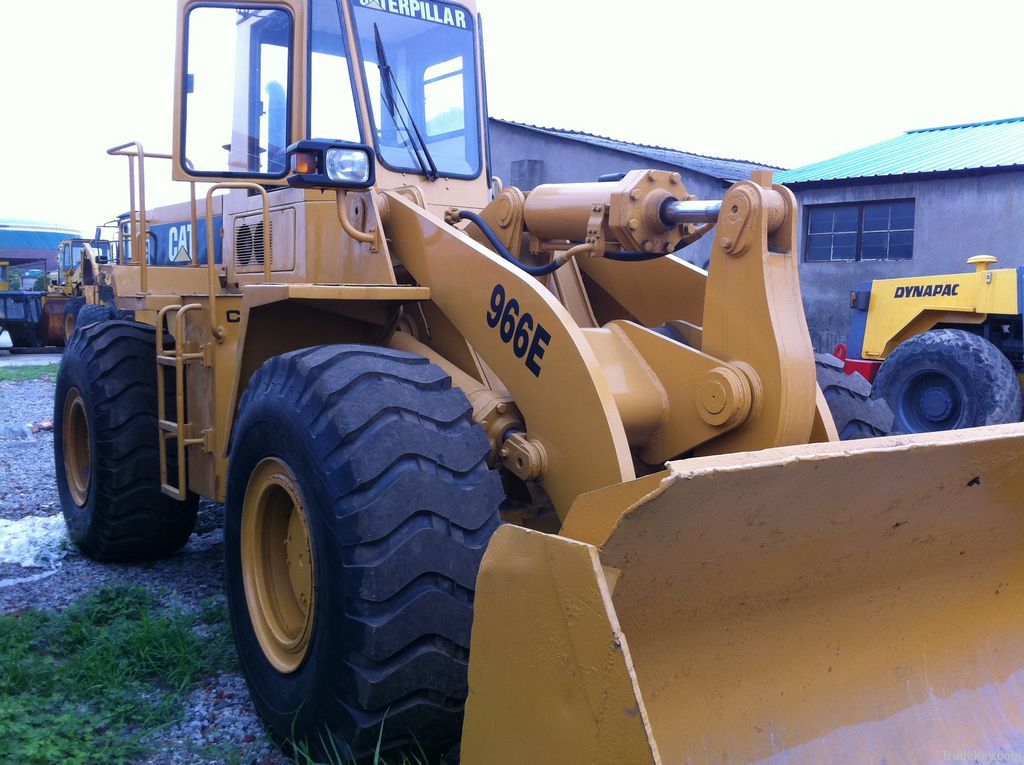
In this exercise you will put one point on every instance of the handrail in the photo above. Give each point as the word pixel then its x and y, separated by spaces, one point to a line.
pixel 218 331
pixel 136 234
pixel 140 236
pixel 366 237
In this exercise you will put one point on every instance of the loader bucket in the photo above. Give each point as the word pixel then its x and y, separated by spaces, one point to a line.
pixel 857 602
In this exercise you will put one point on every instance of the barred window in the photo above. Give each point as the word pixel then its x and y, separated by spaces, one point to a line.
pixel 862 231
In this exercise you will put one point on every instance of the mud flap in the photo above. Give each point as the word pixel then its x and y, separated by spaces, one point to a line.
pixel 840 602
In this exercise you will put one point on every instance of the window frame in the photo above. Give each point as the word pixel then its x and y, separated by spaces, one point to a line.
pixel 860 206
pixel 213 175
pixel 350 63
pixel 477 102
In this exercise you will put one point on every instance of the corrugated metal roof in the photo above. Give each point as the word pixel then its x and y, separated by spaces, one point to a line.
pixel 716 167
pixel 34 225
pixel 950 148
pixel 12 240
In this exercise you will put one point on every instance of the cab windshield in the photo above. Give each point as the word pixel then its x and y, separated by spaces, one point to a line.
pixel 420 65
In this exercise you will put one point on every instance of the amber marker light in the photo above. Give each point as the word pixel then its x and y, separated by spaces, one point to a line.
pixel 304 162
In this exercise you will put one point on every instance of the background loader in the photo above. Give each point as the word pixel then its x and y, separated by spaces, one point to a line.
pixel 498 468
pixel 945 351
pixel 76 284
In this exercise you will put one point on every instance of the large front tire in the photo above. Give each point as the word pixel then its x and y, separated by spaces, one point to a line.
pixel 359 506
pixel 106 450
pixel 947 379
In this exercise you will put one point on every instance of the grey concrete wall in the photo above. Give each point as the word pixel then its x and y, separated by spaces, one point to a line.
pixel 525 158
pixel 954 218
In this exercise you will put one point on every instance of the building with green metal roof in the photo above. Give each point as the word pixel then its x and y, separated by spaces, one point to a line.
pixel 919 203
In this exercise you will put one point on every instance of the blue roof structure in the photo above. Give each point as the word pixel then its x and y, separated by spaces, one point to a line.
pixel 972 147
pixel 22 241
pixel 13 239
pixel 715 167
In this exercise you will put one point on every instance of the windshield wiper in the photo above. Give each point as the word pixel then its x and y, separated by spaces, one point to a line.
pixel 390 84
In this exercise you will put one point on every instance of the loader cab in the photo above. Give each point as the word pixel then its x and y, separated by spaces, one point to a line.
pixel 400 76
pixel 71 252
pixel 69 258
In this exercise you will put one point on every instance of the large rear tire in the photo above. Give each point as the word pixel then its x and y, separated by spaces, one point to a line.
pixel 369 466
pixel 106 451
pixel 947 379
pixel 854 412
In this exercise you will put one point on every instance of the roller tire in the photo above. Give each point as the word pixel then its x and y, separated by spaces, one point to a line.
pixel 948 379
pixel 125 516
pixel 854 412
pixel 400 505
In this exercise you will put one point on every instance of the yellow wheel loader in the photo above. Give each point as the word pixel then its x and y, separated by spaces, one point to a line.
pixel 945 351
pixel 498 469
pixel 78 294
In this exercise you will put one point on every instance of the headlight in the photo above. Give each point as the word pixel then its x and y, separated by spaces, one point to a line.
pixel 348 166
pixel 317 163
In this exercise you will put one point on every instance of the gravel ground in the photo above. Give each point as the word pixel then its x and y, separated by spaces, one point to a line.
pixel 220 723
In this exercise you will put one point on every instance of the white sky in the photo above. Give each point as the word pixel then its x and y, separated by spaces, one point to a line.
pixel 785 83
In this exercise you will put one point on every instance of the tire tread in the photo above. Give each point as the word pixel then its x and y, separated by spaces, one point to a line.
pixel 413 507
pixel 131 519
pixel 855 413
pixel 988 377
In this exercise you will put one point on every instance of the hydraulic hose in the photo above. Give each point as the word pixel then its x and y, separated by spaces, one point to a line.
pixel 502 250
pixel 554 265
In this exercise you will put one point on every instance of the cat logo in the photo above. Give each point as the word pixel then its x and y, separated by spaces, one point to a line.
pixel 178 238
pixel 181 255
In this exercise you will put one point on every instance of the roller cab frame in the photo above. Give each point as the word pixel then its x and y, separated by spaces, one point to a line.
pixel 946 351
pixel 887 312
pixel 673 496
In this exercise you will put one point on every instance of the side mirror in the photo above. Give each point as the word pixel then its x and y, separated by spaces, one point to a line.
pixel 339 164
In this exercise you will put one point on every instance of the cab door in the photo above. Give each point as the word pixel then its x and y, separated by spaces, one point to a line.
pixel 239 89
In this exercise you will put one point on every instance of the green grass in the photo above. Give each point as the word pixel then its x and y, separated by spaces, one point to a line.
pixel 302 754
pixel 28 372
pixel 87 685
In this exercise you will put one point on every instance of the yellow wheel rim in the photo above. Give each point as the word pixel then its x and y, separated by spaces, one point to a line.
pixel 69 326
pixel 77 452
pixel 277 565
